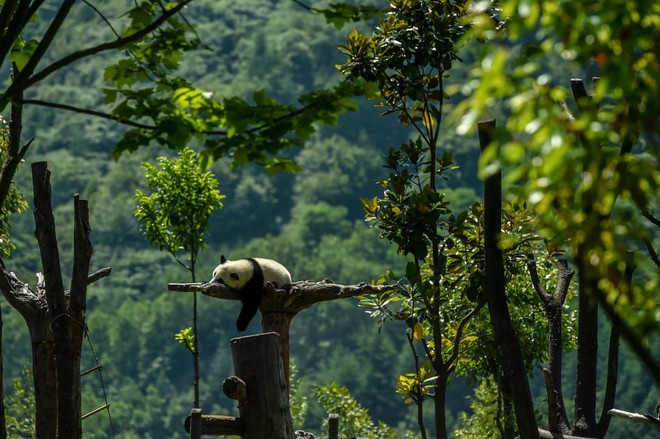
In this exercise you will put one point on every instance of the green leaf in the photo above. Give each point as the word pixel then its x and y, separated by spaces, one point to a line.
pixel 418 332
pixel 186 338
pixel 22 52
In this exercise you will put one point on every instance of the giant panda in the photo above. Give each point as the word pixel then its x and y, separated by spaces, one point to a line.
pixel 248 277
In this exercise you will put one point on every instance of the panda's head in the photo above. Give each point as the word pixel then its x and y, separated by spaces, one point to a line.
pixel 233 274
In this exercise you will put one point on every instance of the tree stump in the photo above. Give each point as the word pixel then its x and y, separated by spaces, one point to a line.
pixel 265 411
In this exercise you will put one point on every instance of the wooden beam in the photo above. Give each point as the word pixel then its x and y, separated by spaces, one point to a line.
pixel 210 425
pixel 545 434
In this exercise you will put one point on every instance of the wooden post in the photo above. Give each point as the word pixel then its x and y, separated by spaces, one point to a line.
pixel 258 362
pixel 333 426
pixel 196 423
pixel 279 322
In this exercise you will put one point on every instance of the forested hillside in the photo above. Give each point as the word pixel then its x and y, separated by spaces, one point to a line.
pixel 312 221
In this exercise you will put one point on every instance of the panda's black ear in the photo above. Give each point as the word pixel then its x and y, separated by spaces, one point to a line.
pixel 222 259
pixel 234 276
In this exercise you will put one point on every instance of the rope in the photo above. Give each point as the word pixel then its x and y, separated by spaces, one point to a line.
pixel 98 367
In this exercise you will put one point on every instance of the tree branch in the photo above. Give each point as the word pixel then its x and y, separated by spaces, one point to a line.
pixel 144 126
pixel 299 296
pixel 565 275
pixel 459 331
pixel 553 407
pixel 44 43
pixel 557 418
pixel 655 221
pixel 613 357
pixel 652 253
pixel 19 295
pixel 634 342
pixel 635 417
pixel 6 12
pixel 47 239
pixel 14 154
pixel 82 254
pixel 536 283
pixel 95 113
pixel 24 82
pixel 612 377
pixel 103 17
pixel 99 274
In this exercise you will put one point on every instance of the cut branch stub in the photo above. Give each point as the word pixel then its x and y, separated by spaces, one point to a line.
pixel 235 389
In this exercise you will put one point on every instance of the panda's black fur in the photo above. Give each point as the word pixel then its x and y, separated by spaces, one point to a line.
pixel 251 295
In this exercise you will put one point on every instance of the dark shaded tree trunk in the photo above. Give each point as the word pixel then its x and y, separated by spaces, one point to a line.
pixel 68 313
pixel 557 417
pixel 32 307
pixel 55 318
pixel 507 426
pixel 584 422
pixel 494 285
pixel 3 422
pixel 440 402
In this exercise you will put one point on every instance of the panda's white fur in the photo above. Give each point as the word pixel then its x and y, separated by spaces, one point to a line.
pixel 236 274
pixel 249 277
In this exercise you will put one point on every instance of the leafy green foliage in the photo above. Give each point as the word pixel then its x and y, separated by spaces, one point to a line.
pixel 588 167
pixel 409 54
pixel 411 209
pixel 488 415
pixel 408 58
pixel 20 406
pixel 22 51
pixel 417 387
pixel 174 216
pixel 173 112
pixel 186 338
pixel 282 50
pixel 15 202
pixel 338 14
pixel 298 400
pixel 354 420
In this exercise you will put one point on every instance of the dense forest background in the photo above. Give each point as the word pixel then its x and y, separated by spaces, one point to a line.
pixel 311 221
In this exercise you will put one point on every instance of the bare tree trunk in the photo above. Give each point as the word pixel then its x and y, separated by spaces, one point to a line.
pixel 557 418
pixel 494 284
pixel 613 360
pixel 32 307
pixel 584 422
pixel 3 423
pixel 68 313
pixel 440 402
pixel 508 427
pixel 55 319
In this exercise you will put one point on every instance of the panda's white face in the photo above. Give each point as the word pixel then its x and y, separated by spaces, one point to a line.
pixel 234 274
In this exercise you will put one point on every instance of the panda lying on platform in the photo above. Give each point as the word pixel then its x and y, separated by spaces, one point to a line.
pixel 248 277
